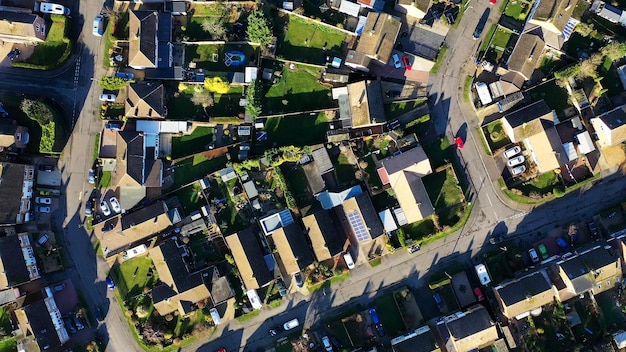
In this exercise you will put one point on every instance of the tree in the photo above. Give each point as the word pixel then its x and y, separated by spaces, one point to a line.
pixel 614 51
pixel 259 28
pixel 37 110
pixel 217 85
pixel 112 83
pixel 254 95
pixel 215 28
pixel 202 98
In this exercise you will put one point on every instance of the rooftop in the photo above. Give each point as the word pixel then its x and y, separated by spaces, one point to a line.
pixel 249 257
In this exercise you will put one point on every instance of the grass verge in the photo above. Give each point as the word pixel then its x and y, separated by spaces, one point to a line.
pixel 440 56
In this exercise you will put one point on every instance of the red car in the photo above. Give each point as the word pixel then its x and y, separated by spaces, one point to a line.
pixel 221 350
pixel 459 142
pixel 492 2
pixel 407 62
pixel 479 294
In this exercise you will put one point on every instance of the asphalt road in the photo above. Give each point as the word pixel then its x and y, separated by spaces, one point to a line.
pixel 74 89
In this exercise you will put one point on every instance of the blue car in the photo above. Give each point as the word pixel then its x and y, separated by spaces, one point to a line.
pixel 125 75
pixel 562 243
pixel 377 324
pixel 110 283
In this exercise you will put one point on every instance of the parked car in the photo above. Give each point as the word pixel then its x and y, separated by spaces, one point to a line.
pixel 396 61
pixel 108 227
pixel 392 125
pixel 414 248
pixel 125 75
pixel 407 62
pixel 46 168
pixel 534 257
pixel 497 238
pixel 43 239
pixel 509 153
pixel 377 324
pixel 349 262
pixel 98 314
pixel 327 345
pixel 492 2
pixel 275 331
pixel 42 209
pixel 115 205
pixel 479 294
pixel 562 243
pixel 43 200
pixel 14 54
pixel 107 97
pixel 281 288
pixel 291 324
pixel 573 239
pixel 98 26
pixel 459 142
pixel 515 161
pixel 78 323
pixel 92 177
pixel 114 125
pixel 88 208
pixel 518 170
pixel 69 325
pixel 105 208
pixel 298 278
pixel 543 251
pixel 438 300
pixel 593 230
pixel 110 283
pixel 48 7
pixel 392 93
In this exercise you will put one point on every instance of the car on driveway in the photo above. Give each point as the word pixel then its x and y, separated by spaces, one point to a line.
pixel 518 170
pixel 88 208
pixel 108 227
pixel 396 61
pixel 43 200
pixel 593 230
pixel 298 278
pixel 43 239
pixel 509 153
pixel 42 209
pixel 497 238
pixel 98 314
pixel 459 142
pixel 534 257
pixel 515 161
pixel 114 125
pixel 115 205
pixel 98 26
pixel 562 243
pixel 125 75
pixel 48 7
pixel 327 345
pixel 105 208
pixel 348 259
pixel 407 62
pixel 543 251
pixel 392 93
pixel 291 324
pixel 110 283
pixel 479 294
pixel 107 97
pixel 492 2
pixel 14 54
pixel 377 324
pixel 46 168
pixel 281 288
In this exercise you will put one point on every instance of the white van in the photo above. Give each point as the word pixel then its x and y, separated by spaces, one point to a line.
pixel 291 324
pixel 349 262
pixel 215 315
pixel 483 275
pixel 135 251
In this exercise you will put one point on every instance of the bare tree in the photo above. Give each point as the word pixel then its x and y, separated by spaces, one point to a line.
pixel 202 98
pixel 614 51
pixel 215 27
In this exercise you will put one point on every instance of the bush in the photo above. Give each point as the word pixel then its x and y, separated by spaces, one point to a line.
pixel 217 85
pixel 259 28
pixel 47 138
pixel 401 238
pixel 558 191
pixel 254 95
pixel 37 110
pixel 112 83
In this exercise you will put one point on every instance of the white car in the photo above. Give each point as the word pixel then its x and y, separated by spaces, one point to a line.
pixel 107 97
pixel 48 7
pixel 509 153
pixel 515 161
pixel 349 262
pixel 326 342
pixel 43 200
pixel 518 170
pixel 92 177
pixel 105 208
pixel 115 205
pixel 533 255
pixel 291 324
pixel 396 61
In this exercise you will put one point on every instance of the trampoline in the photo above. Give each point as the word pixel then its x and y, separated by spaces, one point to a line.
pixel 234 58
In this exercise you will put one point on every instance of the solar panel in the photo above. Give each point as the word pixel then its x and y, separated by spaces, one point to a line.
pixel 357 226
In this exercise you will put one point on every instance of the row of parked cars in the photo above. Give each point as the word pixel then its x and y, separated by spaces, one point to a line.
pixel 515 160
pixel 536 257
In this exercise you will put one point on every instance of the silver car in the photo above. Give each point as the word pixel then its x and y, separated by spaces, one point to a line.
pixel 115 205
pixel 105 208
pixel 107 97
pixel 515 161
pixel 509 153
pixel 518 170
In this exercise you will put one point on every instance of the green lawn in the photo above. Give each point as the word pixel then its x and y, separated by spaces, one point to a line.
pixel 196 167
pixel 180 108
pixel 555 96
pixel 442 188
pixel 419 229
pixel 390 315
pixel 488 37
pixel 5 321
pixel 517 10
pixel 297 184
pixel 55 50
pixel 310 42
pixel 189 198
pixel 495 135
pixel 394 110
pixel 204 249
pixel 541 184
pixel 105 179
pixel 374 180
pixel 299 130
pixel 384 200
pixel 344 170
pixel 297 90
pixel 131 276
pixel 441 55
pixel 8 344
pixel 203 55
pixel 439 152
pixel 611 80
pixel 192 143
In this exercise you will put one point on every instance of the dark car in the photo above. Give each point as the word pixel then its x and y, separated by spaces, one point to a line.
pixel 392 93
pixel 573 239
pixel 392 125
pixel 69 325
pixel 275 331
pixel 98 314
pixel 281 288
pixel 46 168
pixel 562 243
pixel 593 230
pixel 298 278
pixel 108 227
pixel 110 283
pixel 495 239
pixel 377 324
pixel 88 208
pixel 481 24
pixel 14 54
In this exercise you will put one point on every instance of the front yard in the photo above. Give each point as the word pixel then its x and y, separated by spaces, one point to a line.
pixel 308 41
pixel 54 51
pixel 495 136
pixel 132 276
pixel 443 188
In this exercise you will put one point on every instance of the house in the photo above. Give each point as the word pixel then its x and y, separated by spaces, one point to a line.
pixel 595 270
pixel 509 83
pixel 272 222
pixel 12 136
pixel 413 8
pixel 22 28
pixel 293 253
pixel 325 236
pixel 329 200
pixel 554 18
pixel 377 41
pixel 362 104
pixel 136 227
pixel 611 127
pixel 40 326
pixel 146 100
pixel 533 125
pixel 16 188
pixel 250 259
pixel 608 12
pixel 469 330
pixel 182 287
pixel 150 36
pixel 418 340
pixel 526 54
pixel 17 261
pixel 404 174
pixel 360 222
pixel 516 299
pixel 138 171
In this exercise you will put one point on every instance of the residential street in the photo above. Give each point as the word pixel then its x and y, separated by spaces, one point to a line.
pixel 73 88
